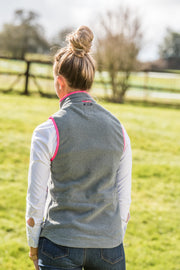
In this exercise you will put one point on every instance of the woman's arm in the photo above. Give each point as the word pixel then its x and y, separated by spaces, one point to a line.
pixel 43 146
pixel 124 182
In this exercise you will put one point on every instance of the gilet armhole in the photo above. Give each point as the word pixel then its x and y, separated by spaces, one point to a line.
pixel 123 137
pixel 57 133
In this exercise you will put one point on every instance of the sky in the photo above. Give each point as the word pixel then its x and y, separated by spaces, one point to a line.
pixel 156 16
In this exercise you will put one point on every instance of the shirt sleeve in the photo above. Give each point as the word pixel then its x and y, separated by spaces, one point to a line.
pixel 124 182
pixel 43 146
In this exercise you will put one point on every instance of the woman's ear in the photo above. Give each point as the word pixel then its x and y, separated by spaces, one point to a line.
pixel 62 83
pixel 61 86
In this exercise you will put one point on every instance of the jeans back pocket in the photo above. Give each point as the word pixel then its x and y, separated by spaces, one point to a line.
pixel 52 250
pixel 112 255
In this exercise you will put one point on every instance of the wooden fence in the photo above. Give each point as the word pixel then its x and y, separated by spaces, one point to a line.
pixel 27 74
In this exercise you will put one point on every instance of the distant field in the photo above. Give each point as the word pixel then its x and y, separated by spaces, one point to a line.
pixel 151 79
pixel 152 241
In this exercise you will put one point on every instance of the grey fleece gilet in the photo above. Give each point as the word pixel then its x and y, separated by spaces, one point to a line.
pixel 83 210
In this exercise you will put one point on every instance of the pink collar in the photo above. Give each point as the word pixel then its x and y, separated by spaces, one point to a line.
pixel 71 93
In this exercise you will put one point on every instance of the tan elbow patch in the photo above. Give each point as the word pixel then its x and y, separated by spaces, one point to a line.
pixel 31 222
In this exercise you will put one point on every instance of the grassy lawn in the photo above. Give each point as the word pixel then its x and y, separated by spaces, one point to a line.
pixel 152 239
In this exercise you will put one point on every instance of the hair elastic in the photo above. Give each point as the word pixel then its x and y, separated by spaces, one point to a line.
pixel 77 49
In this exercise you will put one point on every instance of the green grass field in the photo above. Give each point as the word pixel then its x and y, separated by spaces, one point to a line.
pixel 152 240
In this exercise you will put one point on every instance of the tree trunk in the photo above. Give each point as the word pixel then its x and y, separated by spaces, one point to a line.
pixel 121 97
pixel 124 87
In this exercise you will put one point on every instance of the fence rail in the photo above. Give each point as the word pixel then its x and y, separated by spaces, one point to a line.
pixel 27 74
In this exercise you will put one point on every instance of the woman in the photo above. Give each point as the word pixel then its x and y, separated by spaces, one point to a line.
pixel 79 174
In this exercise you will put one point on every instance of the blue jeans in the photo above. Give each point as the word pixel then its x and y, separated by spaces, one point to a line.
pixel 55 257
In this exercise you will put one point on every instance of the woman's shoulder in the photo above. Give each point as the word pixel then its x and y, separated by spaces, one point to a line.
pixel 44 128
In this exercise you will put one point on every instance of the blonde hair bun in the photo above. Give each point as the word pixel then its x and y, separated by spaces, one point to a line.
pixel 80 41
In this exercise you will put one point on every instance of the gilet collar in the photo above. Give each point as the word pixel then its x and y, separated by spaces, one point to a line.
pixel 77 96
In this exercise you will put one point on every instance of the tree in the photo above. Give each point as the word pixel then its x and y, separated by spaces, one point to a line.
pixel 169 50
pixel 59 39
pixel 23 35
pixel 118 45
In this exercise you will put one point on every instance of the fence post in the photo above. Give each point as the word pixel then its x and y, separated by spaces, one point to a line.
pixel 26 78
pixel 146 79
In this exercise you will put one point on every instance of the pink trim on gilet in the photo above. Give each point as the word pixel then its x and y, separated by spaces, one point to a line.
pixel 57 133
pixel 86 101
pixel 72 94
pixel 123 137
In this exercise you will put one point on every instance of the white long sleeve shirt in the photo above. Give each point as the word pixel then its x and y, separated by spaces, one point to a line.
pixel 43 146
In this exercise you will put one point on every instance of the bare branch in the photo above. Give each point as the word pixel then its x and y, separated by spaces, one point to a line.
pixel 118 45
